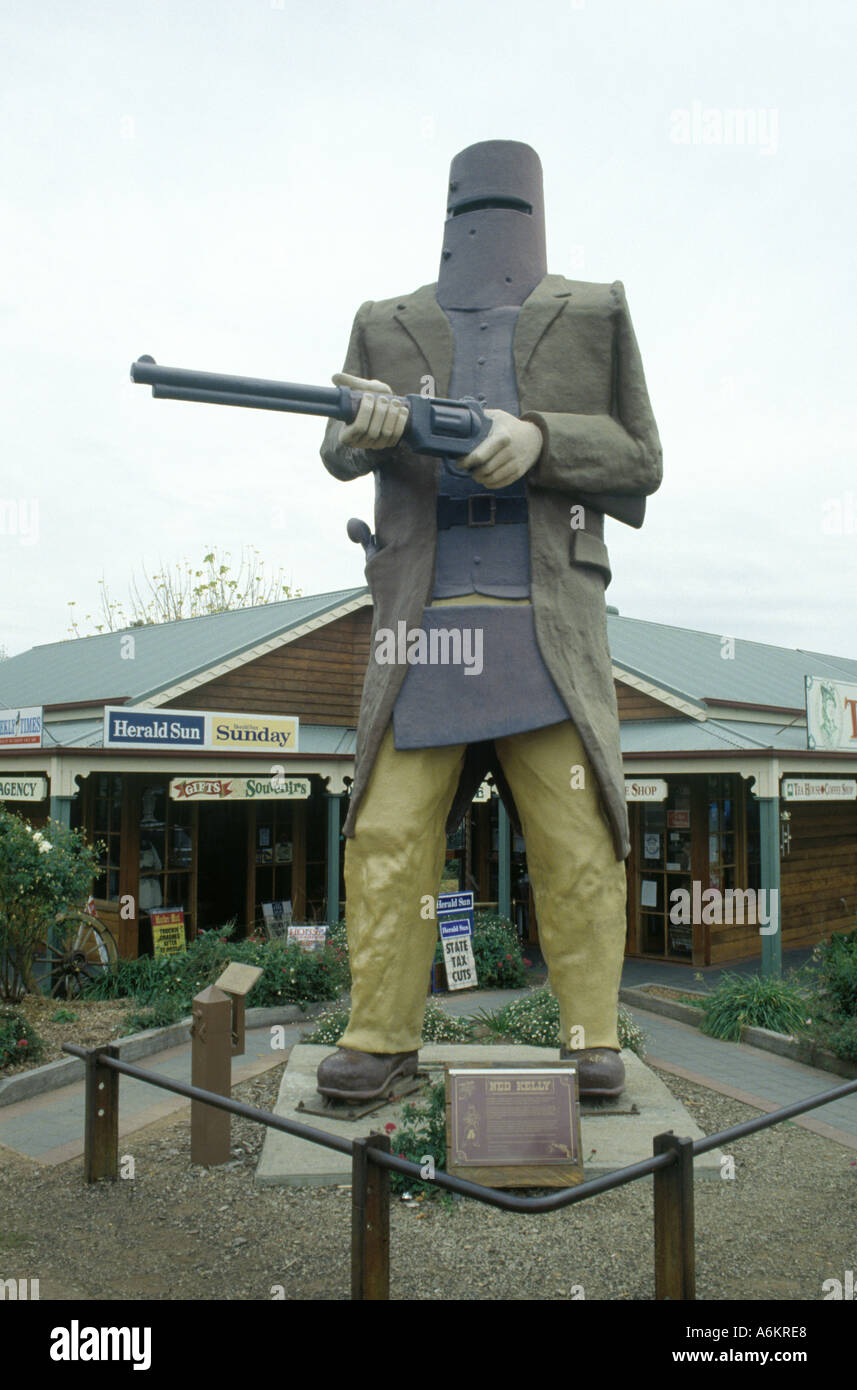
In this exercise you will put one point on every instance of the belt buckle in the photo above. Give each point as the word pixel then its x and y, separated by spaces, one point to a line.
pixel 492 506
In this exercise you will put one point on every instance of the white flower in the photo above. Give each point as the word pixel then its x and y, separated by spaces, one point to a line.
pixel 45 847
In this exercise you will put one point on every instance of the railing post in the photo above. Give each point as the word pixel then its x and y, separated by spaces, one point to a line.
pixel 211 1070
pixel 675 1274
pixel 101 1126
pixel 370 1221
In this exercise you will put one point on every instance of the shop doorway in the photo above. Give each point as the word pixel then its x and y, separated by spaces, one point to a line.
pixel 222 865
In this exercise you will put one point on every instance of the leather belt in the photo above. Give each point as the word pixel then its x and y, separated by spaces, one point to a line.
pixel 480 509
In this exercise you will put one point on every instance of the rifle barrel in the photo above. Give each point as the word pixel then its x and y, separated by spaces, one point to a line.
pixel 295 406
pixel 333 401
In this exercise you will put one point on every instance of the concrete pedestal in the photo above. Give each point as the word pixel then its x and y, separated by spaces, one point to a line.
pixel 612 1138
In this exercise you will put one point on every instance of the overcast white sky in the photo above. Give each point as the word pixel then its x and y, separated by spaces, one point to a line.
pixel 222 184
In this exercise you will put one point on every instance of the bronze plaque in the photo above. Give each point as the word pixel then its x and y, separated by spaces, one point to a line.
pixel 514 1126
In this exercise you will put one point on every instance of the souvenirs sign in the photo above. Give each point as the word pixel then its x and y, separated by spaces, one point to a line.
pixel 514 1126
pixel 204 730
pixel 168 935
pixel 22 727
pixel 263 788
pixel 831 714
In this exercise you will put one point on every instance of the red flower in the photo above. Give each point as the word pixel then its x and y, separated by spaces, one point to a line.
pixel 527 962
pixel 22 1042
pixel 389 1127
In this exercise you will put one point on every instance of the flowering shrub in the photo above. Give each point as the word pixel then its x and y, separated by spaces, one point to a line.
pixel 42 873
pixel 290 975
pixel 534 1021
pixel 438 1026
pixel 18 1041
pixel 421 1134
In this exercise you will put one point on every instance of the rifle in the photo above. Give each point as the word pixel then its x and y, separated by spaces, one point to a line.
pixel 447 429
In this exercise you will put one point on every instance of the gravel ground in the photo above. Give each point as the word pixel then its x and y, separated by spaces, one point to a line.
pixel 178 1231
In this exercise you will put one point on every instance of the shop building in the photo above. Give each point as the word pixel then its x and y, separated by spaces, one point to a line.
pixel 212 757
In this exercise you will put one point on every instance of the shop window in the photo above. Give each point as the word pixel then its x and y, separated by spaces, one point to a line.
pixel 722 832
pixel 664 858
pixel 274 851
pixel 107 832
pixel 166 852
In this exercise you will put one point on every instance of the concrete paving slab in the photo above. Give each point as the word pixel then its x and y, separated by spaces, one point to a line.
pixel 609 1141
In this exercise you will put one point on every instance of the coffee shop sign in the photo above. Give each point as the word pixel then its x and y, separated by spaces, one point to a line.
pixel 645 789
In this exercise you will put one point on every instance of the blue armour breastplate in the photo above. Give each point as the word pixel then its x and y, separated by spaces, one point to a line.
pixel 482 548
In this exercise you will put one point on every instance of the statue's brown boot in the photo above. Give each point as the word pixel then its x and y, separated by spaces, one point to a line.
pixel 350 1075
pixel 600 1070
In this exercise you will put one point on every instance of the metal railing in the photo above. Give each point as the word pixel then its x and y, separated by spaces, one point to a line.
pixel 372 1162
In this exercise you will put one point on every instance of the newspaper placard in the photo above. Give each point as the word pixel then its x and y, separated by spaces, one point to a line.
pixel 168 934
pixel 457 936
pixel 310 938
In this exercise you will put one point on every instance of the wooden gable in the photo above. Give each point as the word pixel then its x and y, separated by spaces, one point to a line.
pixel 633 704
pixel 318 677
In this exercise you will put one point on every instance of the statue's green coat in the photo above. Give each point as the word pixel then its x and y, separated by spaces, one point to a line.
pixel 580 379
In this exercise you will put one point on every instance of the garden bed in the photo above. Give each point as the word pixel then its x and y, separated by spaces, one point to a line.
pixel 95 1022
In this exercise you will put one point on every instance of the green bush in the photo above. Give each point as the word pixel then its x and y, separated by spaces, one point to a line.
pixel 421 1135
pixel 839 1037
pixel 833 1005
pixel 753 1001
pixel 18 1041
pixel 534 1021
pixel 290 975
pixel 837 975
pixel 500 962
pixel 42 873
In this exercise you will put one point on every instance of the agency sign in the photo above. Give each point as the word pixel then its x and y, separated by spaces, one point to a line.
pixel 831 715
pixel 205 731
pixel 23 788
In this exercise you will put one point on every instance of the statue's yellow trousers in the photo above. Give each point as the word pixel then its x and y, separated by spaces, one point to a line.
pixel 393 866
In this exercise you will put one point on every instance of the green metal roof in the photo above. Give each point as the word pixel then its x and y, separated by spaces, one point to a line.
pixel 680 660
pixel 93 668
pixel 690 664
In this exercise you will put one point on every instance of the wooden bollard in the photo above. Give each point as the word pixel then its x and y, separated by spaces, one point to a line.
pixel 675 1270
pixel 101 1131
pixel 211 1070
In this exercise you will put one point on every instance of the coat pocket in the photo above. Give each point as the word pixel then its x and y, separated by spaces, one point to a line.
pixel 586 549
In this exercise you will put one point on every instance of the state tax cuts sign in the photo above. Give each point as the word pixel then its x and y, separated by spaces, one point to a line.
pixel 455 921
pixel 207 731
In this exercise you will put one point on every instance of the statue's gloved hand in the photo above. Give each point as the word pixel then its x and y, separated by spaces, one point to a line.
pixel 507 453
pixel 381 418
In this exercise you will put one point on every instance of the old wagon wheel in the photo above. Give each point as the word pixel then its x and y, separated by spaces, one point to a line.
pixel 81 949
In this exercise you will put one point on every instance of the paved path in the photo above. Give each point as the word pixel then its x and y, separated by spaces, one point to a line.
pixel 49 1128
